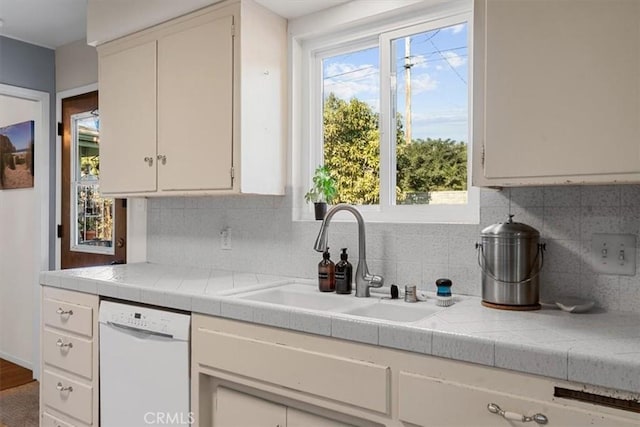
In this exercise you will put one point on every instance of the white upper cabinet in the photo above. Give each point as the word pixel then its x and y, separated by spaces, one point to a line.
pixel 196 105
pixel 556 92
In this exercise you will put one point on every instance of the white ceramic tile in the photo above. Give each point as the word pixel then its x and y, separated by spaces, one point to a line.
pixel 630 220
pixel 462 250
pixel 153 297
pixel 532 358
pixel 599 220
pixel 178 300
pixel 463 347
pixel 494 198
pixel 236 310
pixel 433 272
pixel 601 195
pixel 630 195
pixel 405 338
pixel 615 371
pixel 129 293
pixel 272 316
pixel 411 248
pixel 562 196
pixel 604 289
pixel 526 197
pixel 354 330
pixel 206 305
pixel 492 215
pixel 630 293
pixel 409 273
pixel 563 256
pixel 561 223
pixel 467 279
pixel 314 323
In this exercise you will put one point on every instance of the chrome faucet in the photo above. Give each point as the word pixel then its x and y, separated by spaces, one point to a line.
pixel 364 279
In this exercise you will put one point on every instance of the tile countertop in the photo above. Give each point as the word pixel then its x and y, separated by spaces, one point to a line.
pixel 597 348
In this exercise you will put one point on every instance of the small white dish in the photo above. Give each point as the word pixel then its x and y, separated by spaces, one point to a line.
pixel 575 305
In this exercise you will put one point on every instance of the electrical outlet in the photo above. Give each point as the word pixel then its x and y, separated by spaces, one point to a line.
pixel 614 253
pixel 225 239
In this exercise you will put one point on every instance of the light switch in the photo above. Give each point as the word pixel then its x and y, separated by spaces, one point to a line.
pixel 614 253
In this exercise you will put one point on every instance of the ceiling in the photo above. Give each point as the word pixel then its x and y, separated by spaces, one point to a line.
pixel 59 22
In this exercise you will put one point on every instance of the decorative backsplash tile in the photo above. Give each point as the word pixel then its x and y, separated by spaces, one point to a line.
pixel 185 231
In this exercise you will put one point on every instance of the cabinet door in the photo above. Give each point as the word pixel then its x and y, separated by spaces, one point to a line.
pixel 127 102
pixel 427 401
pixel 557 89
pixel 235 409
pixel 195 106
pixel 297 418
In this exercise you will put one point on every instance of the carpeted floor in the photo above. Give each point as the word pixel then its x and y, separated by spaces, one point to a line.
pixel 19 406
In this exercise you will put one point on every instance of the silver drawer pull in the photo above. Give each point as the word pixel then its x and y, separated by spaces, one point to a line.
pixel 60 387
pixel 62 344
pixel 62 312
pixel 537 418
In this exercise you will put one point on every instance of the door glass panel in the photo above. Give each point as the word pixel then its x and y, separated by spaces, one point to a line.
pixel 92 213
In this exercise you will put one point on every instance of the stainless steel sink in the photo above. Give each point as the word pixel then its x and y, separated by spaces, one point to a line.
pixel 397 312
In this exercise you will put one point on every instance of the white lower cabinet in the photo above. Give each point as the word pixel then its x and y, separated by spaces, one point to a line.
pixel 69 383
pixel 246 374
pixel 466 404
pixel 237 409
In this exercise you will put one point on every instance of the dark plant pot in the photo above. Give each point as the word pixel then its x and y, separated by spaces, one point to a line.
pixel 321 210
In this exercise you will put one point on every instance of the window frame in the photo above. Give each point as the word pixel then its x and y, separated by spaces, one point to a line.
pixel 74 246
pixel 308 138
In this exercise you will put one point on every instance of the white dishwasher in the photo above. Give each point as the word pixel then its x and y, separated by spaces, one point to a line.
pixel 144 366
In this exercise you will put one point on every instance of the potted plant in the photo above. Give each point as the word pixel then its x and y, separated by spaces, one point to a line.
pixel 322 192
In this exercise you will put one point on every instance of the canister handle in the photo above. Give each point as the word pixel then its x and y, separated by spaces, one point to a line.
pixel 540 253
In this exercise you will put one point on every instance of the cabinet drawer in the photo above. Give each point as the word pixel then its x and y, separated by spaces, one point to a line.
pixel 77 403
pixel 67 352
pixel 360 383
pixel 67 316
pixel 455 404
pixel 49 420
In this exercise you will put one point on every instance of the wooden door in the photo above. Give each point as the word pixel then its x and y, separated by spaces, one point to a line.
pixel 79 257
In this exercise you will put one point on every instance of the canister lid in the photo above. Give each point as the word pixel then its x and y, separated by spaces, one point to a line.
pixel 510 229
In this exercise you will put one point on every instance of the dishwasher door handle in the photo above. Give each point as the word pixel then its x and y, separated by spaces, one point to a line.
pixel 139 330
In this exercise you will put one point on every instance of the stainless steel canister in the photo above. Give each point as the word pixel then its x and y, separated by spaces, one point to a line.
pixel 511 259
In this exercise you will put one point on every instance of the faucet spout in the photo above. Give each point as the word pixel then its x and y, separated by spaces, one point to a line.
pixel 364 279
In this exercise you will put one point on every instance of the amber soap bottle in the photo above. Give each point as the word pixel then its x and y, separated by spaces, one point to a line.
pixel 326 273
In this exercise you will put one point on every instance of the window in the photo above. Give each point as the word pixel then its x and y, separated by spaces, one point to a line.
pixel 92 213
pixel 389 115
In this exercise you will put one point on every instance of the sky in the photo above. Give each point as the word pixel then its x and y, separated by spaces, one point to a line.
pixel 439 81
pixel 20 134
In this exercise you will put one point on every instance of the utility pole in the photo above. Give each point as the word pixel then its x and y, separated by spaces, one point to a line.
pixel 408 63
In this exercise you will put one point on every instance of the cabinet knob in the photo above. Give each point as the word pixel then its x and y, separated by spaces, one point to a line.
pixel 60 387
pixel 537 418
pixel 149 161
pixel 162 158
pixel 62 344
pixel 62 312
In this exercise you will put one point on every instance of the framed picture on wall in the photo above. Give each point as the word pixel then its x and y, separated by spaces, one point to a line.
pixel 16 155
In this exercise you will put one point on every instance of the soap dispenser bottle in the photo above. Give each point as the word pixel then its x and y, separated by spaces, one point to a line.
pixel 344 274
pixel 326 273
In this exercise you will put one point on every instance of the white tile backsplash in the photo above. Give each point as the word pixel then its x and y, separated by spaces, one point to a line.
pixel 185 232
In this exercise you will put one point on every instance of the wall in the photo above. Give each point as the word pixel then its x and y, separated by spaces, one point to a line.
pixel 76 65
pixel 185 231
pixel 33 67
pixel 24 213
